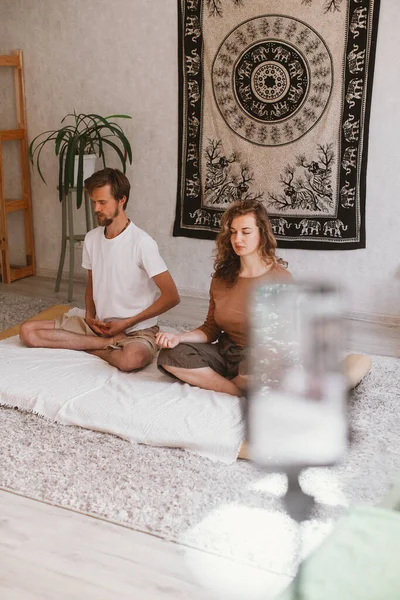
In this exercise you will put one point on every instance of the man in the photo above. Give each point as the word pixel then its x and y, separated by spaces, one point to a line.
pixel 128 286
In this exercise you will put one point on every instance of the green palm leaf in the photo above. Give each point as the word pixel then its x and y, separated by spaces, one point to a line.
pixel 87 133
pixel 118 151
pixel 79 183
pixel 61 172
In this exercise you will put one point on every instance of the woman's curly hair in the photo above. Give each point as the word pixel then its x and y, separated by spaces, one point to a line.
pixel 227 262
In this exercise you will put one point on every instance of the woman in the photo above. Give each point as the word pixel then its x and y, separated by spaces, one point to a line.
pixel 245 255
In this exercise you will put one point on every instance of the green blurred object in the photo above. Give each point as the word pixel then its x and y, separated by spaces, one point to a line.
pixel 88 134
pixel 392 499
pixel 360 560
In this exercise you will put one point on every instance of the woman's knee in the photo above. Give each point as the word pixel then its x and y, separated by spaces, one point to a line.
pixel 168 368
pixel 180 373
pixel 167 356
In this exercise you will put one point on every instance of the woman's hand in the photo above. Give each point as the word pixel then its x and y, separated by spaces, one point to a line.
pixel 167 340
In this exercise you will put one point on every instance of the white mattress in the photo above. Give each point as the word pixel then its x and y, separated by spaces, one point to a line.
pixel 75 388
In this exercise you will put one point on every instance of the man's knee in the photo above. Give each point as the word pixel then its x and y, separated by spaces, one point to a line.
pixel 27 334
pixel 134 358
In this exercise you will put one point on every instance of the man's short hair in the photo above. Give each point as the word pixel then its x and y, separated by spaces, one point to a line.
pixel 118 182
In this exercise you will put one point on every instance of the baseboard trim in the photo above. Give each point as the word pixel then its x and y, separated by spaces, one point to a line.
pixel 52 274
pixel 192 292
pixel 378 318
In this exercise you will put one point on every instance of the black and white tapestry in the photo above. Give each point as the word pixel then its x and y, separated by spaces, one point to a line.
pixel 274 105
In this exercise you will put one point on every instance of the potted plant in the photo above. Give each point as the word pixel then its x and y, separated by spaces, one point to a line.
pixel 88 134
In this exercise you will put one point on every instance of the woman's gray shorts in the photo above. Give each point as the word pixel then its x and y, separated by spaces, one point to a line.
pixel 224 357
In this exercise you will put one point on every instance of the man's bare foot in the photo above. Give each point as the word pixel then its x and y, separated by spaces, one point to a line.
pixel 110 344
pixel 119 337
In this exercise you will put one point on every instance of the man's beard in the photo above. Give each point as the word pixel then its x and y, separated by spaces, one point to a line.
pixel 106 221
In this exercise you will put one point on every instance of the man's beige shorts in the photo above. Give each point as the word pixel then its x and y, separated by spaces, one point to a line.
pixel 141 336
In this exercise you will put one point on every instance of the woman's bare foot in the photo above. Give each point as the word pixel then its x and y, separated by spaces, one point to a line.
pixel 356 367
pixel 241 381
pixel 244 451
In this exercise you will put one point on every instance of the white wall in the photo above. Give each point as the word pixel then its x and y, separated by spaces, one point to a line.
pixel 121 56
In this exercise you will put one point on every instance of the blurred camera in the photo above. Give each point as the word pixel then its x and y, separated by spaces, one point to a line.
pixel 297 408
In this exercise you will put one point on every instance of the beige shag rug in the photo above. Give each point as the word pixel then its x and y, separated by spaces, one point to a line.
pixel 233 511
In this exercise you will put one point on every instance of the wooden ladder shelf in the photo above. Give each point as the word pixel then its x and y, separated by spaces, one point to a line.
pixel 9 272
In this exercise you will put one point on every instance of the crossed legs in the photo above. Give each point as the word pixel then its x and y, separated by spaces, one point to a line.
pixel 43 334
pixel 355 367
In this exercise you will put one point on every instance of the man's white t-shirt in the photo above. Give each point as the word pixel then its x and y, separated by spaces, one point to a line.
pixel 122 269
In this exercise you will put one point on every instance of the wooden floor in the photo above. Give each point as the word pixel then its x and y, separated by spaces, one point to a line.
pixel 49 553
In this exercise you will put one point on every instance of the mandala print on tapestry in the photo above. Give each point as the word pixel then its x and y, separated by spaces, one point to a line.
pixel 274 105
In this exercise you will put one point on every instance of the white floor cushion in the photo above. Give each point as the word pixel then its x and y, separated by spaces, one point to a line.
pixel 75 388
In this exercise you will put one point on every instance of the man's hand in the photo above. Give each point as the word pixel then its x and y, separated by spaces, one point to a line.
pixel 112 328
pixel 167 340
pixel 96 325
